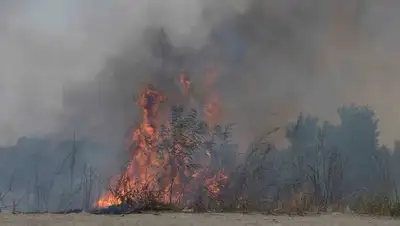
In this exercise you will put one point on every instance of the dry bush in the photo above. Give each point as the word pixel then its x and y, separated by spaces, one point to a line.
pixel 379 205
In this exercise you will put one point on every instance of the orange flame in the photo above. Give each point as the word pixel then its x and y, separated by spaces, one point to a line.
pixel 184 80
pixel 144 155
pixel 146 165
pixel 215 183
pixel 212 108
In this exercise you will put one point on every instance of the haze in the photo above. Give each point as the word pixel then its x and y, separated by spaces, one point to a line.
pixel 47 46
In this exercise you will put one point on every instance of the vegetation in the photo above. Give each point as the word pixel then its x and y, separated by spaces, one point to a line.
pixel 315 174
pixel 379 205
pixel 326 168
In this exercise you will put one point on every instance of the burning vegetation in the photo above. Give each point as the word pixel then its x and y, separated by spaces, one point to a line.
pixel 181 154
pixel 170 161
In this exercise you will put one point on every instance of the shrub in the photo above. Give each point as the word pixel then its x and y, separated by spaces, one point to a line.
pixel 379 205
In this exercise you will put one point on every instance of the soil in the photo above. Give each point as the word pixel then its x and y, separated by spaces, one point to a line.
pixel 182 219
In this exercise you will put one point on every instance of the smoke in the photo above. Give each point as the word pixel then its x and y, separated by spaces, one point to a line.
pixel 75 66
pixel 47 45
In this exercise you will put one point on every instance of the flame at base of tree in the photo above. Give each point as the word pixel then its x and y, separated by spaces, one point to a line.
pixel 161 167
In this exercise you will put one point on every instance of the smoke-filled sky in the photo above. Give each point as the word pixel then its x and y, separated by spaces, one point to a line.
pixel 48 45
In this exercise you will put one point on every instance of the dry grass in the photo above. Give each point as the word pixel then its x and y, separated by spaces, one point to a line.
pixel 379 206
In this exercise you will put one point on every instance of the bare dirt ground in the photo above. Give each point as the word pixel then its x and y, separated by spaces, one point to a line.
pixel 166 219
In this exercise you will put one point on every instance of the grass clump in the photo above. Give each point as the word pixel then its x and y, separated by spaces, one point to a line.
pixel 379 205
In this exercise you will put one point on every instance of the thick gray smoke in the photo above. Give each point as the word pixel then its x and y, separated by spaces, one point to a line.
pixel 46 45
pixel 291 56
pixel 75 67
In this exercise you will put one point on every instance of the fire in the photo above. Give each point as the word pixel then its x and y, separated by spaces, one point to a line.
pixel 144 171
pixel 215 183
pixel 144 157
pixel 108 200
pixel 184 80
pixel 212 108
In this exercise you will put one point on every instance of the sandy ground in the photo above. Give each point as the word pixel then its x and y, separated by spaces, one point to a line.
pixel 192 220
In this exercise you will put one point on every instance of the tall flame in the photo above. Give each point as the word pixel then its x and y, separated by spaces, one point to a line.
pixel 145 166
pixel 212 108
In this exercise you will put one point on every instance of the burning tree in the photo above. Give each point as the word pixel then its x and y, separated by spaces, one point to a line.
pixel 184 135
pixel 162 164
